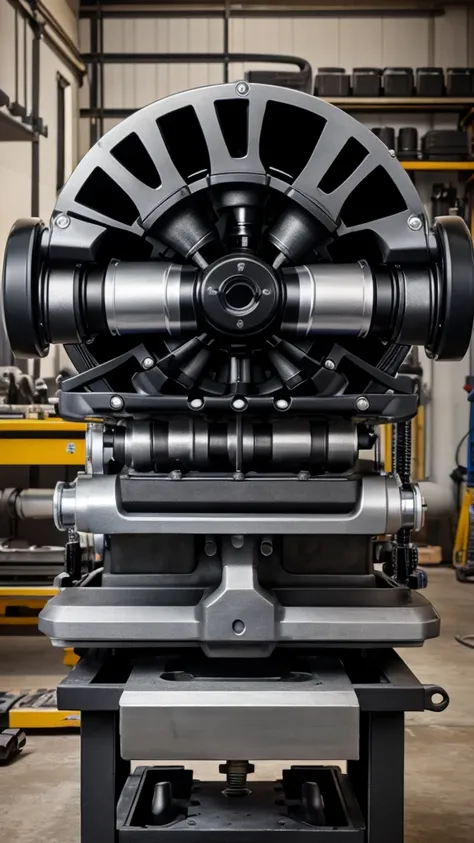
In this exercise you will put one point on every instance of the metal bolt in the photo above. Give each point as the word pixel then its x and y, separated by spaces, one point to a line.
pixel 238 475
pixel 116 402
pixel 239 404
pixel 242 89
pixel 196 403
pixel 329 364
pixel 62 221
pixel 176 474
pixel 210 546
pixel 282 404
pixel 392 153
pixel 266 546
pixel 362 404
pixel 148 362
pixel 303 475
pixel 237 541
pixel 240 323
pixel 414 222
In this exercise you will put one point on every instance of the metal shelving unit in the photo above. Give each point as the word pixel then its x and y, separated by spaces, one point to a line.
pixel 421 105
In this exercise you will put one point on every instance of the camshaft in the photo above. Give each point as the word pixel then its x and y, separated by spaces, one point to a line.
pixel 194 444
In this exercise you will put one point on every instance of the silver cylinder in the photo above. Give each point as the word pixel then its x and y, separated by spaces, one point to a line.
pixel 28 504
pixel 147 297
pixel 333 299
pixel 64 505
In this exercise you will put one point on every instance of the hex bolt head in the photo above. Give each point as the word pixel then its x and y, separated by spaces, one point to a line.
pixel 196 404
pixel 242 89
pixel 176 474
pixel 329 364
pixel 116 402
pixel 415 222
pixel 239 404
pixel 62 221
pixel 392 153
pixel 282 404
pixel 362 404
pixel 148 362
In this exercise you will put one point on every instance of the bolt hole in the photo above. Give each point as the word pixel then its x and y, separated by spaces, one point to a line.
pixel 437 699
pixel 238 626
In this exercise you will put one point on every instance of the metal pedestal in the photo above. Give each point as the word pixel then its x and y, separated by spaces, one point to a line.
pixel 365 804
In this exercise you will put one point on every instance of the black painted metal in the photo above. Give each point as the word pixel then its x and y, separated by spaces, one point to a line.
pixel 103 775
pixel 377 778
pixel 385 688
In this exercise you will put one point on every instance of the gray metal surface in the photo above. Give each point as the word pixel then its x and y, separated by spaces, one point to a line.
pixel 121 617
pixel 93 505
pixel 397 240
pixel 144 297
pixel 27 503
pixel 260 719
pixel 335 298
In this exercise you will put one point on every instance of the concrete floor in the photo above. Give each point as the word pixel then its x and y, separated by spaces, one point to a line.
pixel 39 792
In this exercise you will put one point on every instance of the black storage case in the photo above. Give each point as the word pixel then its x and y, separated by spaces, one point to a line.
pixel 367 81
pixel 407 144
pixel 387 135
pixel 459 81
pixel 429 82
pixel 332 82
pixel 398 81
pixel 445 145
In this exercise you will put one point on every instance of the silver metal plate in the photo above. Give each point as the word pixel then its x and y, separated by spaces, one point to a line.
pixel 258 719
pixel 121 617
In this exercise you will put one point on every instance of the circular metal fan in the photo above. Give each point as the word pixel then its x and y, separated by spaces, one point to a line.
pixel 236 168
pixel 239 239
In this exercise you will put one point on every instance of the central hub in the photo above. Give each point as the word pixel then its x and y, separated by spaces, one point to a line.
pixel 239 294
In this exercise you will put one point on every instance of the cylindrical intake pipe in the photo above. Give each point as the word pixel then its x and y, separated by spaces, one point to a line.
pixel 241 296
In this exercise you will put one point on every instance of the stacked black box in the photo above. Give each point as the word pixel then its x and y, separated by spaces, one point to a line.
pixel 332 82
pixel 429 81
pixel 398 81
pixel 367 81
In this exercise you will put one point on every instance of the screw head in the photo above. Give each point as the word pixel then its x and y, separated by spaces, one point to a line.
pixel 176 474
pixel 148 362
pixel 239 404
pixel 242 89
pixel 329 364
pixel 62 221
pixel 362 403
pixel 196 403
pixel 116 402
pixel 414 222
pixel 240 323
pixel 282 404
pixel 392 153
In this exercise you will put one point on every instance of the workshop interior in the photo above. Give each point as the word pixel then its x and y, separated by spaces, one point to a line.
pixel 236 421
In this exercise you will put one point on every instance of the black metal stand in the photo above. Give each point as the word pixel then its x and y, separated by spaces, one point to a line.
pixel 367 803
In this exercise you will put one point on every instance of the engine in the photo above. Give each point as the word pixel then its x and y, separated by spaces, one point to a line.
pixel 238 274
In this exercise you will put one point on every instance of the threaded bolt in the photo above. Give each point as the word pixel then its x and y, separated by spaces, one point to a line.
pixel 236 773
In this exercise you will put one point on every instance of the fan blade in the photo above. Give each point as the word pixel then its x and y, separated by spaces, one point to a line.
pixel 286 370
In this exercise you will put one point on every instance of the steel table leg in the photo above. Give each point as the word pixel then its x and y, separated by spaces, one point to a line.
pixel 378 777
pixel 103 775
